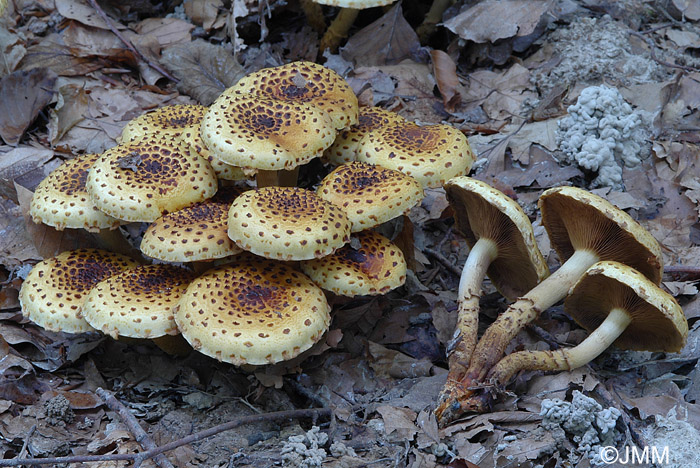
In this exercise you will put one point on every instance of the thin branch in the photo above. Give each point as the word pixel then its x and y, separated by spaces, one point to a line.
pixel 133 425
pixel 128 43
pixel 192 438
pixel 445 262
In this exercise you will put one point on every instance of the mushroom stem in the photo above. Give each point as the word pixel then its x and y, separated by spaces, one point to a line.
pixel 480 257
pixel 432 18
pixel 338 30
pixel 404 241
pixel 564 359
pixel 493 344
pixel 281 178
pixel 114 241
pixel 314 15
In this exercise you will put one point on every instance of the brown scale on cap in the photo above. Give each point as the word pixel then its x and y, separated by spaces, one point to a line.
pixel 267 134
pixel 344 148
pixel 305 82
pixel 253 311
pixel 141 181
pixel 54 292
pixel 376 267
pixel 198 232
pixel 432 154
pixel 287 223
pixel 139 302
pixel 370 195
pixel 61 200
pixel 170 120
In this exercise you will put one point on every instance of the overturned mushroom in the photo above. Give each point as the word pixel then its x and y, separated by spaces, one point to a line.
pixel 584 229
pixel 502 244
pixel 620 307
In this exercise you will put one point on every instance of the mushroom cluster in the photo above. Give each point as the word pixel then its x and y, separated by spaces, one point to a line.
pixel 610 272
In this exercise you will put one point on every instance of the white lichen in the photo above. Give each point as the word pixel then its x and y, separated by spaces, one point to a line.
pixel 602 133
pixel 304 451
pixel 584 421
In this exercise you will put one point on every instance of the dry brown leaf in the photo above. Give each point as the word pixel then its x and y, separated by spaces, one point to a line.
pixel 53 54
pixel 12 49
pixel 204 70
pixel 492 20
pixel 445 71
pixel 86 41
pixel 398 421
pixel 203 12
pixel 690 9
pixel 388 40
pixel 72 110
pixel 24 165
pixel 166 31
pixel 389 363
pixel 23 94
pixel 80 10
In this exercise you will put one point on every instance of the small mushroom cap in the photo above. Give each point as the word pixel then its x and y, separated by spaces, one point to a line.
pixel 577 219
pixel 61 200
pixel 253 311
pixel 197 232
pixel 356 4
pixel 304 82
pixel 139 302
pixel 344 148
pixel 167 120
pixel 54 292
pixel 265 133
pixel 432 154
pixel 376 266
pixel 658 323
pixel 482 211
pixel 141 181
pixel 287 223
pixel 370 195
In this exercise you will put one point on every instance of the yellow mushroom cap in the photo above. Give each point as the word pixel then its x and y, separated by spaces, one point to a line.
pixel 143 180
pixel 253 311
pixel 193 137
pixel 658 323
pixel 265 133
pixel 167 120
pixel 370 195
pixel 139 302
pixel 287 223
pixel 54 292
pixel 197 232
pixel 481 211
pixel 344 148
pixel 432 154
pixel 305 82
pixel 577 219
pixel 376 266
pixel 61 200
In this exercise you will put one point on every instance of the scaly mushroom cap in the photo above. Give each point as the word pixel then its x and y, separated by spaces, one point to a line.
pixel 344 148
pixel 431 154
pixel 577 219
pixel 376 266
pixel 139 302
pixel 303 82
pixel 287 223
pixel 267 134
pixel 54 292
pixel 198 232
pixel 482 211
pixel 168 120
pixel 61 200
pixel 356 4
pixel 141 181
pixel 370 195
pixel 253 311
pixel 658 323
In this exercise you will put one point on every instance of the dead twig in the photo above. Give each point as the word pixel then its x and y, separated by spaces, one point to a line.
pixel 134 427
pixel 445 262
pixel 128 44
pixel 682 272
pixel 190 439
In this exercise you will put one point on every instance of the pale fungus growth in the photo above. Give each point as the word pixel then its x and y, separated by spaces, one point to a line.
pixel 253 311
pixel 370 195
pixel 53 293
pixel 287 223
pixel 375 266
pixel 142 181
pixel 137 303
pixel 432 154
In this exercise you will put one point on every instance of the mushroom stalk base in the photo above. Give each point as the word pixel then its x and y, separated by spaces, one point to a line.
pixel 563 359
pixel 338 30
